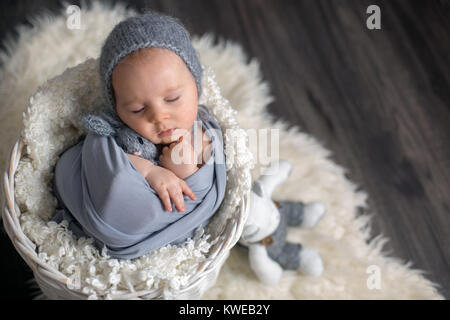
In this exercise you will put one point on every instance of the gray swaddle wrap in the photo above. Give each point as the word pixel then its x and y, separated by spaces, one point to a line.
pixel 102 195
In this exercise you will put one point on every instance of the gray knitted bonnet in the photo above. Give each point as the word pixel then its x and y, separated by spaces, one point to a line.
pixel 151 29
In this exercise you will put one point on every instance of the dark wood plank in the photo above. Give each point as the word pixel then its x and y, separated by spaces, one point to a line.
pixel 379 99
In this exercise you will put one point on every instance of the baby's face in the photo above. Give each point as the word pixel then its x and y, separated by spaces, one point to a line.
pixel 154 92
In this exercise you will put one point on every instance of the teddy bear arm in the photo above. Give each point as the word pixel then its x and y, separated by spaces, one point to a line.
pixel 293 211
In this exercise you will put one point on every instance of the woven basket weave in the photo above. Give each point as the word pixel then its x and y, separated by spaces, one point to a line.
pixel 56 285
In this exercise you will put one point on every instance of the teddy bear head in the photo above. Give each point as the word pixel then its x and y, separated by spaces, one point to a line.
pixel 129 140
pixel 133 143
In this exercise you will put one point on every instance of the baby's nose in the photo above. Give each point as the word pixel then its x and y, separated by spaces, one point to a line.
pixel 158 116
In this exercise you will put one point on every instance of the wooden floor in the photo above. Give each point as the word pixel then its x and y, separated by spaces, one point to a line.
pixel 379 99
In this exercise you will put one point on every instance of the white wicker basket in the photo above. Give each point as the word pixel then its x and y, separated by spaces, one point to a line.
pixel 55 285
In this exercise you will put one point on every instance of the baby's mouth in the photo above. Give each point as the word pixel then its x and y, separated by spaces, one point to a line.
pixel 174 135
pixel 166 133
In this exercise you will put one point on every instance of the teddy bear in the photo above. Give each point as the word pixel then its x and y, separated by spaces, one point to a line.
pixel 129 140
pixel 265 230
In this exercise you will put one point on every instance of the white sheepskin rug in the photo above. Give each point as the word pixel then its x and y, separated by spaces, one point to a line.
pixel 342 236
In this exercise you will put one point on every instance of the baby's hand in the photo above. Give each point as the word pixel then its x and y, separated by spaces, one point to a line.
pixel 168 186
pixel 179 157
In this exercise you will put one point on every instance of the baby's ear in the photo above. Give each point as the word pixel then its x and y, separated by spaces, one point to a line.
pixel 98 125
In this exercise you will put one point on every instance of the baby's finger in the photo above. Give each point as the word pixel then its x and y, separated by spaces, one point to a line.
pixel 173 144
pixel 188 191
pixel 162 160
pixel 177 197
pixel 164 196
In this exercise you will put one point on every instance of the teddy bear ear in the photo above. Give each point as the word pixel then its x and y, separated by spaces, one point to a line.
pixel 258 189
pixel 249 231
pixel 98 125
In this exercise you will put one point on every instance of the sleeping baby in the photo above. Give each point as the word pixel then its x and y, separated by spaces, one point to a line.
pixel 128 203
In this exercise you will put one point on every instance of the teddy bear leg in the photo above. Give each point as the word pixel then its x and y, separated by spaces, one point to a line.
pixel 300 214
pixel 294 256
pixel 286 255
pixel 310 262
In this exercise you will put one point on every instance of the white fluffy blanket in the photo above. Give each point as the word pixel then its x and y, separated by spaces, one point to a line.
pixel 341 237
